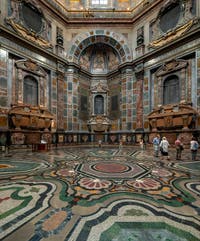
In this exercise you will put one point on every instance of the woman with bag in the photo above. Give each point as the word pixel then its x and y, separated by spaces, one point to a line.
pixel 164 145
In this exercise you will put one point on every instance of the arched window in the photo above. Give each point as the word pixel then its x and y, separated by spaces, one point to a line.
pixel 30 90
pixel 99 105
pixel 171 90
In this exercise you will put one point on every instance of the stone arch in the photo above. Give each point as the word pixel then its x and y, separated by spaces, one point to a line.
pixel 113 39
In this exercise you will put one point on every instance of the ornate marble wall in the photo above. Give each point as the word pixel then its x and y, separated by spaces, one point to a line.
pixel 134 60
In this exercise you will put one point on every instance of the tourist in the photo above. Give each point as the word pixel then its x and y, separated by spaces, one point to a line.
pixel 142 144
pixel 156 142
pixel 164 145
pixel 179 148
pixel 120 144
pixel 100 143
pixel 194 145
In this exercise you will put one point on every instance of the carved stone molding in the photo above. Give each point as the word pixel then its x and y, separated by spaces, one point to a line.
pixel 171 66
pixel 100 88
pixel 30 66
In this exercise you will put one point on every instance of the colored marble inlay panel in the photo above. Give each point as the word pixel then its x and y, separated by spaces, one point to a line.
pixel 20 202
pixel 145 231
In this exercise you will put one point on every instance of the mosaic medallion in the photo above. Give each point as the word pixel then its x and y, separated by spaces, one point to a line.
pixel 111 170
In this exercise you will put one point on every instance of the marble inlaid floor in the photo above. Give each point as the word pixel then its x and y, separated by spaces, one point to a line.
pixel 98 194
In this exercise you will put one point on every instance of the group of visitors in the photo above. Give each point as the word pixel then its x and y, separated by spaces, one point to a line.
pixel 162 146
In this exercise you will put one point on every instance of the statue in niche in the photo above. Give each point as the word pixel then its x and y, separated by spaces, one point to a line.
pixel 99 105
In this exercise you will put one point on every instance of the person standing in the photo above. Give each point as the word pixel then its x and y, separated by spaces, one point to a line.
pixel 179 148
pixel 164 145
pixel 120 144
pixel 142 144
pixel 156 142
pixel 100 143
pixel 194 145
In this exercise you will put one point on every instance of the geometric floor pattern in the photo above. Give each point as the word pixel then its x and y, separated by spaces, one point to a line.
pixel 99 194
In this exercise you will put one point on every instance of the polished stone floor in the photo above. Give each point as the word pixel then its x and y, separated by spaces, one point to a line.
pixel 99 194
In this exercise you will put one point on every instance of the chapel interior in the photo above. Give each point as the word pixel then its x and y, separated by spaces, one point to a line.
pixel 82 82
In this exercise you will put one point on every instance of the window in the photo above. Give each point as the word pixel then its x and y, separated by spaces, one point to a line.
pixel 30 90
pixel 99 2
pixel 99 105
pixel 171 90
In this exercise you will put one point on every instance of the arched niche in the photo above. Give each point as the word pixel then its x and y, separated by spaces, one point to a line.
pixel 99 120
pixel 99 58
pixel 115 40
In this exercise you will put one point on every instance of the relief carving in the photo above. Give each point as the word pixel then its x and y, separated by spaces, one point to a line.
pixel 171 66
pixel 171 35
pixel 17 21
pixel 181 20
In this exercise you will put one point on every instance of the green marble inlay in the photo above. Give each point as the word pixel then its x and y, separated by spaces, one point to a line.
pixel 74 100
pixel 135 212
pixel 146 110
pixel 193 166
pixel 146 95
pixel 100 31
pixel 70 86
pixel 75 113
pixel 24 201
pixel 15 166
pixel 173 203
pixel 124 99
pixel 134 98
pixel 65 112
pixel 54 95
pixel 154 231
pixel 129 86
